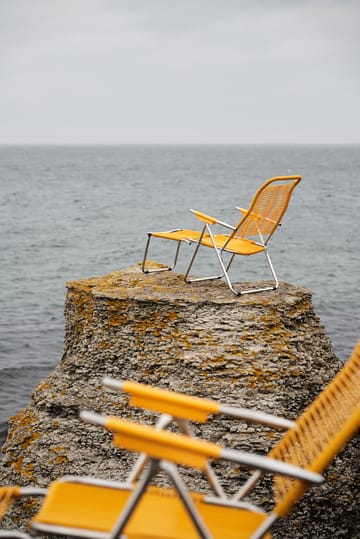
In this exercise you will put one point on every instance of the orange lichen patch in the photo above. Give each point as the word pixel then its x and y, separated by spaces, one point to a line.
pixel 117 314
pixel 85 306
pixel 295 372
pixel 152 264
pixel 43 386
pixel 332 477
pixel 263 377
pixel 29 440
pixel 58 449
pixel 157 321
pixel 21 435
pixel 184 342
pixel 60 456
pixel 22 426
pixel 84 284
pixel 104 344
pixel 25 470
pixel 60 459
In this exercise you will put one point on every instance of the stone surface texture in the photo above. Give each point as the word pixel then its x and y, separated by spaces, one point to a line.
pixel 267 351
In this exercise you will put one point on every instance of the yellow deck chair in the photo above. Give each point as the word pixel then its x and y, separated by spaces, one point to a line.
pixel 313 440
pixel 249 237
pixel 103 509
pixel 85 507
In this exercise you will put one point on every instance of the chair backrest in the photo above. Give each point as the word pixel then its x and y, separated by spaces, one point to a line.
pixel 267 208
pixel 320 432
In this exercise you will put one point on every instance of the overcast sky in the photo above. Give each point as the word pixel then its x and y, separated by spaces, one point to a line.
pixel 180 71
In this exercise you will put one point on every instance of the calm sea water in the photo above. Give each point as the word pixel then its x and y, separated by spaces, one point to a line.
pixel 76 211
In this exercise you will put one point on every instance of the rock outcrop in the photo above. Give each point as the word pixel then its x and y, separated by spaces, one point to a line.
pixel 267 351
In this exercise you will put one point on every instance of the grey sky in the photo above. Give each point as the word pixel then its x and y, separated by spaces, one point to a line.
pixel 179 71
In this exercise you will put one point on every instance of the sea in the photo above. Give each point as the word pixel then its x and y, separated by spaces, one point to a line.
pixel 74 211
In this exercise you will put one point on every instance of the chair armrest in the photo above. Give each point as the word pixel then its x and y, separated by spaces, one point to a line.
pixel 157 444
pixel 211 220
pixel 270 465
pixel 165 401
pixel 188 407
pixel 255 416
pixel 187 451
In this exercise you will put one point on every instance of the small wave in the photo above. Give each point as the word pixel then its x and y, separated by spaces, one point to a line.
pixel 34 369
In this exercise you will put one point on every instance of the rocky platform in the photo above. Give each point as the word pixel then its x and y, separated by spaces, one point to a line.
pixel 267 351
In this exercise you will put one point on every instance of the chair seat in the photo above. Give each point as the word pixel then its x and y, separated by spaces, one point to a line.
pixel 240 246
pixel 178 235
pixel 159 514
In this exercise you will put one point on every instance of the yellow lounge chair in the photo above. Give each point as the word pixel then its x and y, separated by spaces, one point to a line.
pixel 318 431
pixel 249 237
pixel 85 507
pixel 103 509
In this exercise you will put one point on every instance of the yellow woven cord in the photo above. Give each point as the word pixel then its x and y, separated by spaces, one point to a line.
pixel 267 208
pixel 83 506
pixel 241 246
pixel 320 433
pixel 178 235
pixel 162 444
pixel 159 514
pixel 170 402
pixel 8 495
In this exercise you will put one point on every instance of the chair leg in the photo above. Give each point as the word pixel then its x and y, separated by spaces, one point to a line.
pixel 264 527
pixel 170 469
pixel 163 422
pixel 209 472
pixel 150 473
pixel 248 485
pixel 276 282
pixel 167 268
pixel 197 279
pixel 220 260
pixel 225 270
pixel 172 472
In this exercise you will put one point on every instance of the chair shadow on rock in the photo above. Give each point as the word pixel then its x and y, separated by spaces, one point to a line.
pixel 138 509
pixel 250 236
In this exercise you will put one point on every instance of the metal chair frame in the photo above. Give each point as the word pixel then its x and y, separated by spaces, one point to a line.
pixel 225 268
pixel 144 269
